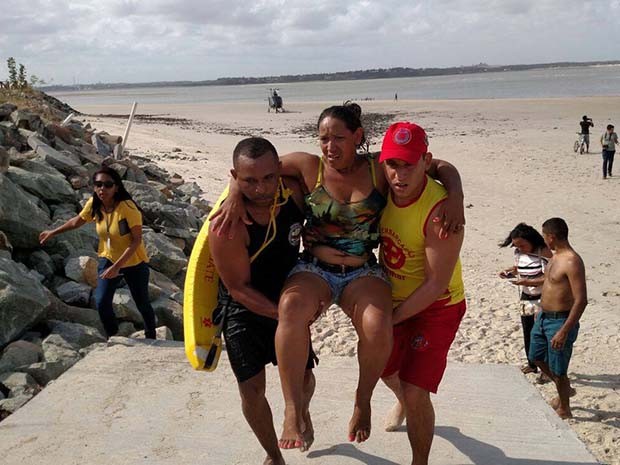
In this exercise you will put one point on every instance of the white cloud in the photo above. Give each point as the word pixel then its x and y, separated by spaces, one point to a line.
pixel 131 40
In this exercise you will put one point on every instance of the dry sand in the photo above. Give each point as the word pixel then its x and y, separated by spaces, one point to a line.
pixel 517 164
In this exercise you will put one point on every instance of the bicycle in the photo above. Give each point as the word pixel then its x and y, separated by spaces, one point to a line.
pixel 580 143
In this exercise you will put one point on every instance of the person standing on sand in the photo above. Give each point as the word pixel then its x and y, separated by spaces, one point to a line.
pixel 427 287
pixel 121 250
pixel 609 140
pixel 564 298
pixel 530 257
pixel 253 266
pixel 586 123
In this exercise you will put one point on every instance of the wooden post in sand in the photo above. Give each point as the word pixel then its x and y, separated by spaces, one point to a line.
pixel 67 120
pixel 133 112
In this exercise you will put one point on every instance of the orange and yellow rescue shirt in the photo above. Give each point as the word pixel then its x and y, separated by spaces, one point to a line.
pixel 114 231
pixel 403 235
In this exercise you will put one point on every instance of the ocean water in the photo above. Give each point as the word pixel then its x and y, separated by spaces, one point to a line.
pixel 540 83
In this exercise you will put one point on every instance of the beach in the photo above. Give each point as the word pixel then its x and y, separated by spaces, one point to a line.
pixel 517 163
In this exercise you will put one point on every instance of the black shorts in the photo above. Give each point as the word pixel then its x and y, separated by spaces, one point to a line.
pixel 250 344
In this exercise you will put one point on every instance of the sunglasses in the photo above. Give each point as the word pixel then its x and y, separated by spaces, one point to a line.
pixel 106 184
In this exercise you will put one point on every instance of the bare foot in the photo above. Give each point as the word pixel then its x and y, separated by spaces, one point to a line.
pixel 277 461
pixel 359 426
pixel 308 433
pixel 292 437
pixel 564 414
pixel 395 417
pixel 555 402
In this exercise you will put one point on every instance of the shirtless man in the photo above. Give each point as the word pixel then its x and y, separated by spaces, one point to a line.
pixel 253 266
pixel 564 298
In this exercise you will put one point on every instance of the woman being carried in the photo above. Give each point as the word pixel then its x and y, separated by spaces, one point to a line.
pixel 346 193
pixel 531 257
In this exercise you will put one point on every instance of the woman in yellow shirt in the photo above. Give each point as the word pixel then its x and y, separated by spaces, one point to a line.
pixel 121 251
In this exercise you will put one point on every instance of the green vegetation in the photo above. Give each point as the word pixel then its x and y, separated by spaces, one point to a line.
pixel 18 79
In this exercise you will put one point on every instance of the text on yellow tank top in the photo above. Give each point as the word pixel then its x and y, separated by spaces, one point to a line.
pixel 403 234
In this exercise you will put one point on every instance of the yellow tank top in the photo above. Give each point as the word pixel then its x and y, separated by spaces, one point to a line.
pixel 403 234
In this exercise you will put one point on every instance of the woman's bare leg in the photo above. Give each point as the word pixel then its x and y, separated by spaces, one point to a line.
pixel 368 301
pixel 300 300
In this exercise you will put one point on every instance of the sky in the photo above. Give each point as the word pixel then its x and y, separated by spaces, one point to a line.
pixel 88 41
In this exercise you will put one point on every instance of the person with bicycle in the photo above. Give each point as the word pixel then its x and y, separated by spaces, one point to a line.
pixel 586 123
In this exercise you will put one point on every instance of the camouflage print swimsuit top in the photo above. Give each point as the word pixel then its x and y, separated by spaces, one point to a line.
pixel 350 227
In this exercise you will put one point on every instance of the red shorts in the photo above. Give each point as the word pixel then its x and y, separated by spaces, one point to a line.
pixel 421 346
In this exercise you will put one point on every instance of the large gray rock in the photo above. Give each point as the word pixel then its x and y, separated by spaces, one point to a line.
pixel 58 160
pixel 20 219
pixel 10 137
pixel 23 300
pixel 124 306
pixel 40 261
pixel 37 166
pixel 19 353
pixel 161 286
pixel 77 335
pixel 44 372
pixel 57 348
pixel 11 405
pixel 58 310
pixel 5 160
pixel 6 109
pixel 81 241
pixel 171 216
pixel 51 189
pixel 164 255
pixel 19 383
pixel 143 193
pixel 190 189
pixel 169 313
pixel 24 119
pixel 73 293
pixel 82 269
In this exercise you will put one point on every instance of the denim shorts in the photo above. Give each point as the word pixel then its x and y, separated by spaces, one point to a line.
pixel 540 344
pixel 338 281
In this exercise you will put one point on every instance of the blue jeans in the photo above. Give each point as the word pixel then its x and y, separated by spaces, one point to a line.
pixel 608 162
pixel 137 279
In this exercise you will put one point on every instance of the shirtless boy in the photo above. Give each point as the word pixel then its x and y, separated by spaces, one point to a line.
pixel 564 298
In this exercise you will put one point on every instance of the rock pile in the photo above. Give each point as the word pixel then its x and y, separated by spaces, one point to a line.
pixel 47 316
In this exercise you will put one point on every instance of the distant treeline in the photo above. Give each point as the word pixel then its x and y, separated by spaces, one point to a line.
pixel 380 73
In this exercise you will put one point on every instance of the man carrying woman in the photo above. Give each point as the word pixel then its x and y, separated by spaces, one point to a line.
pixel 345 196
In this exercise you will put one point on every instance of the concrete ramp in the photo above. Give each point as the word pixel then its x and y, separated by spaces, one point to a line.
pixel 145 405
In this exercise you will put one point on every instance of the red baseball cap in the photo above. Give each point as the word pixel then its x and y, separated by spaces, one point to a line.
pixel 404 141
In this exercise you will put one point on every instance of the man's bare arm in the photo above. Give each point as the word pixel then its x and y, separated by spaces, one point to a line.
pixel 441 256
pixel 451 214
pixel 233 266
pixel 576 275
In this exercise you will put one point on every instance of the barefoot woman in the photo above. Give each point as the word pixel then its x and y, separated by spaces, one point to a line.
pixel 346 193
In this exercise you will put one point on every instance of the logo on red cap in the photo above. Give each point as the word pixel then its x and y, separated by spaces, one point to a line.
pixel 402 136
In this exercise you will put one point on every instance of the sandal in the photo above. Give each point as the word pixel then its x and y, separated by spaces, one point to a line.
pixel 525 369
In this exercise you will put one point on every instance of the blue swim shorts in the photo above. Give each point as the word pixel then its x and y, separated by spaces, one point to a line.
pixel 337 281
pixel 546 325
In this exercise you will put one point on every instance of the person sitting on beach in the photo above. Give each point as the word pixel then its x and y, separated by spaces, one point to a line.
pixel 427 287
pixel 531 256
pixel 253 266
pixel 346 195
pixel 564 299
pixel 121 250
pixel 585 124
